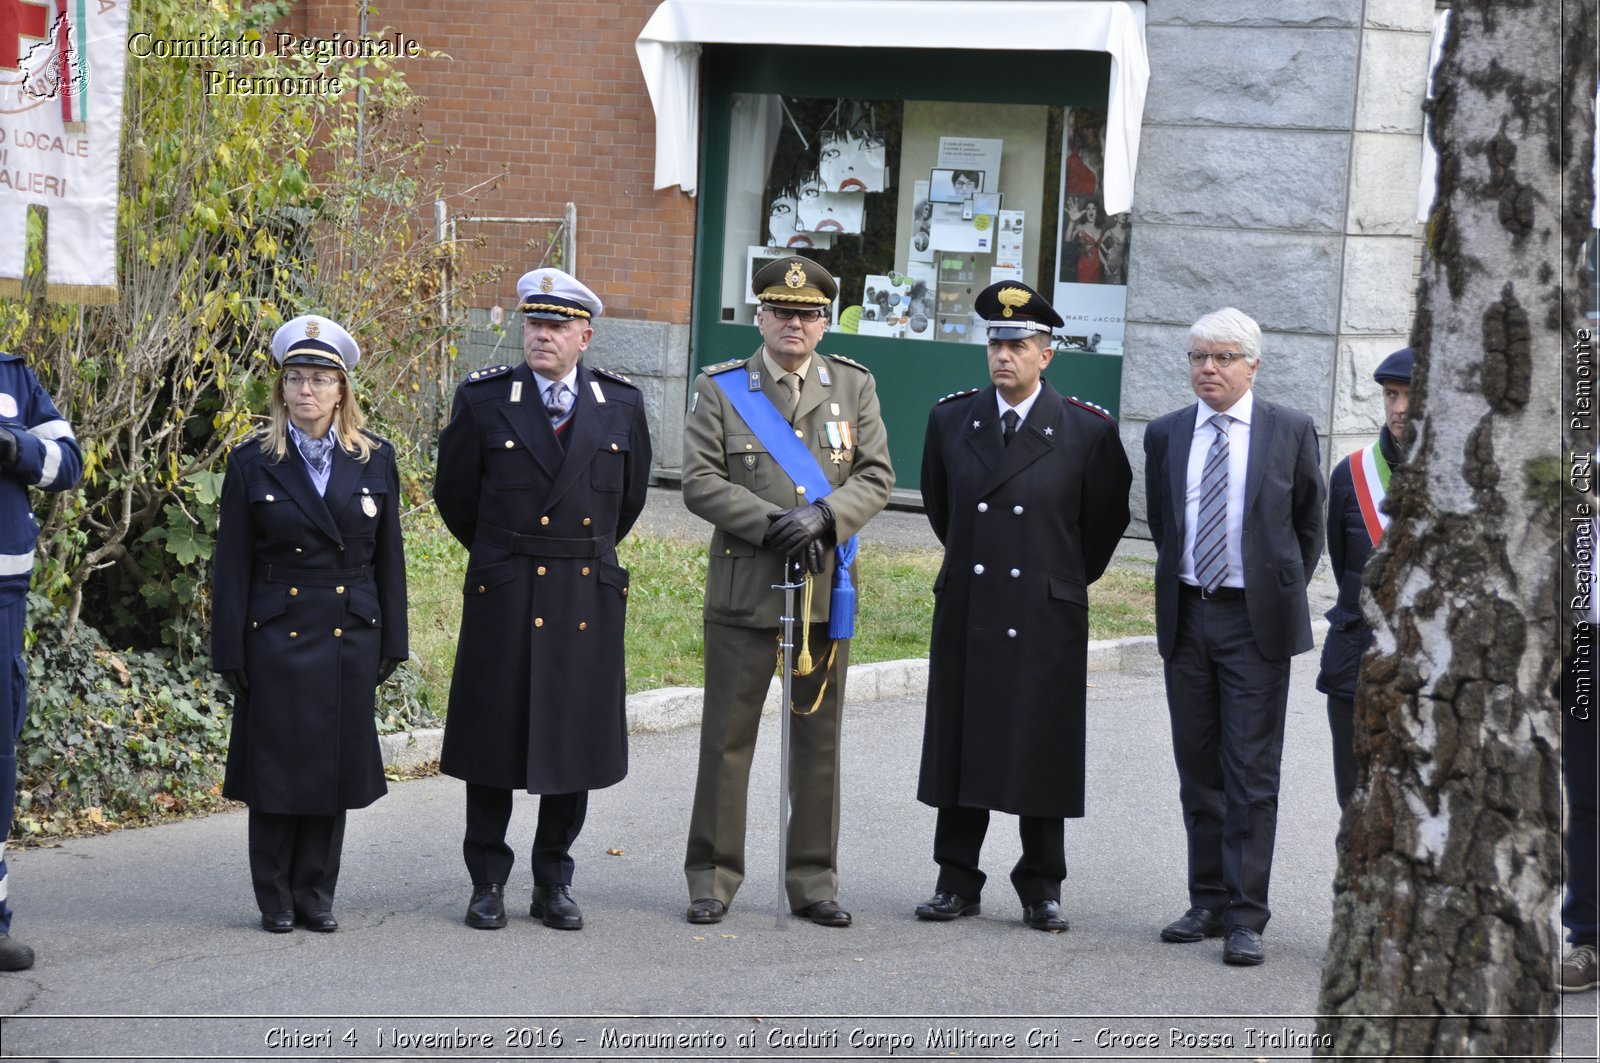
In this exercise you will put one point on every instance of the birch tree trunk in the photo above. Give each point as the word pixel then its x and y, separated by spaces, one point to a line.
pixel 1449 856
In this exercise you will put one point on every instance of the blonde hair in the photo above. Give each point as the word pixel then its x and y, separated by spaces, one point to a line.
pixel 348 423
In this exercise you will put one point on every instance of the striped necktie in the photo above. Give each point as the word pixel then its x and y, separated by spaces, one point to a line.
pixel 557 405
pixel 1211 531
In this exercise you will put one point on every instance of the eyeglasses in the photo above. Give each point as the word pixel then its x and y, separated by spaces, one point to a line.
pixel 318 381
pixel 1222 359
pixel 789 313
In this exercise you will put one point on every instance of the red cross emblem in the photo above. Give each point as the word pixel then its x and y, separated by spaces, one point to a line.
pixel 22 21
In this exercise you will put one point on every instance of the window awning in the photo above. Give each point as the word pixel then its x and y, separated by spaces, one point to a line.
pixel 669 54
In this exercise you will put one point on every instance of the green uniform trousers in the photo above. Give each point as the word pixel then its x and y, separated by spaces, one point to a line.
pixel 740 663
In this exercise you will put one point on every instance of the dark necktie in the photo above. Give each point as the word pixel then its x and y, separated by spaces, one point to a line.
pixel 1211 531
pixel 1008 425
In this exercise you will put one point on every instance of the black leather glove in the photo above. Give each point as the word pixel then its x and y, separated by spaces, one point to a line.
pixel 795 529
pixel 386 667
pixel 237 681
pixel 8 448
pixel 815 556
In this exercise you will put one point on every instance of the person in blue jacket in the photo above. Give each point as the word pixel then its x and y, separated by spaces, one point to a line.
pixel 1356 520
pixel 37 449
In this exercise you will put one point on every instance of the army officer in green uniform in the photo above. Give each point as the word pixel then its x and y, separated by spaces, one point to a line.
pixel 763 513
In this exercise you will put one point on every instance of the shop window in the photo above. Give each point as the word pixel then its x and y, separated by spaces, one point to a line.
pixel 917 205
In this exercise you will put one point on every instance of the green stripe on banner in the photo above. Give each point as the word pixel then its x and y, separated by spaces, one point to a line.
pixel 1382 463
pixel 80 25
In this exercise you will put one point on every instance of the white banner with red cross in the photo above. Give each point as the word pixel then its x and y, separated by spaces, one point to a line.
pixel 61 67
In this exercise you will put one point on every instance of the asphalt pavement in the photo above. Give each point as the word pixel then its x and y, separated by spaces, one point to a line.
pixel 149 946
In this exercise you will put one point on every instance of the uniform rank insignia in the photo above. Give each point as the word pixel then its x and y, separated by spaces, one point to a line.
pixel 599 396
pixel 369 505
pixel 516 391
pixel 749 461
pixel 822 375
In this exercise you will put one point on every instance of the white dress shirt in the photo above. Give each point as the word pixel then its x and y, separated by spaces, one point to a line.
pixel 1238 462
pixel 1022 407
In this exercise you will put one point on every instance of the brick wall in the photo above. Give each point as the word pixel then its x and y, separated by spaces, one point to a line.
pixel 552 96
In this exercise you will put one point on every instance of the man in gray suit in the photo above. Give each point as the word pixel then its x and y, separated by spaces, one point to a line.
pixel 1234 492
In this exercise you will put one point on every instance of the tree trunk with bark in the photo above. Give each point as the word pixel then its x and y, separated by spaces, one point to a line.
pixel 1449 856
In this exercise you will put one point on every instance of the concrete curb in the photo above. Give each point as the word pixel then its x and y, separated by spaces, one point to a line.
pixel 674 708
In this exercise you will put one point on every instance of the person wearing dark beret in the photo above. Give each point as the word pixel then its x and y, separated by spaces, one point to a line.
pixel 308 618
pixel 1356 522
pixel 1028 491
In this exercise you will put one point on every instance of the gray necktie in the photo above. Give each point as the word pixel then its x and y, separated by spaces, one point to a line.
pixel 1211 531
pixel 791 384
pixel 556 404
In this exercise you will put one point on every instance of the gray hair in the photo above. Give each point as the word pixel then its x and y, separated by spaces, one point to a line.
pixel 1229 326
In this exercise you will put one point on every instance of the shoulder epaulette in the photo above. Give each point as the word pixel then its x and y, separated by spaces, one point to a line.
pixel 957 395
pixel 486 374
pixel 848 361
pixel 713 370
pixel 375 437
pixel 1086 404
pixel 610 375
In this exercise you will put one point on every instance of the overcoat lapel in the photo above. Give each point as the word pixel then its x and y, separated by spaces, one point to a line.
pixel 342 479
pixel 981 431
pixel 292 475
pixel 530 422
pixel 813 392
pixel 590 422
pixel 1030 443
pixel 1182 440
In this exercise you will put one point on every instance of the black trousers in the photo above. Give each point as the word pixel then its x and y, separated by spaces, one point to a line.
pixel 958 838
pixel 294 861
pixel 1342 725
pixel 1227 704
pixel 484 848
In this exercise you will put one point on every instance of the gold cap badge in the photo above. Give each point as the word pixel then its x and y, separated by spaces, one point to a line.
pixel 796 277
pixel 312 328
pixel 1012 299
pixel 546 283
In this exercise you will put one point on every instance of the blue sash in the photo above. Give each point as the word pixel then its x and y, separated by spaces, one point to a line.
pixel 800 465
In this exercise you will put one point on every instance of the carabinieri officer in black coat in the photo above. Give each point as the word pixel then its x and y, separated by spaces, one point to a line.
pixel 309 616
pixel 1028 491
pixel 543 468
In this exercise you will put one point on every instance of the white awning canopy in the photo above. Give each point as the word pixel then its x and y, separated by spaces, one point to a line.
pixel 669 53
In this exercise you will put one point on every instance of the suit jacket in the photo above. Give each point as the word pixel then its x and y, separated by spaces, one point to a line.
pixel 1282 534
pixel 730 480
pixel 1026 528
pixel 537 699
pixel 308 595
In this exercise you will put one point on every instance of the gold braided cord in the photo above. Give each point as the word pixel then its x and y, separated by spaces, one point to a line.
pixel 827 671
pixel 778 295
pixel 804 665
pixel 554 309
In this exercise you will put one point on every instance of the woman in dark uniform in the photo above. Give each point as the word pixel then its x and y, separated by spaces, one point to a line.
pixel 309 616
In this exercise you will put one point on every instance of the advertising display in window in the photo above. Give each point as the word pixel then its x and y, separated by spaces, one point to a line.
pixel 918 205
pixel 1090 291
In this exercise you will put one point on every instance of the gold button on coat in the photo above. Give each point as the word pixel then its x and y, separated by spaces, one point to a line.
pixel 293 591
pixel 294 634
pixel 339 589
pixel 541 570
pixel 544 520
pixel 538 621
pixel 338 632
pixel 587 522
pixel 585 570
pixel 583 625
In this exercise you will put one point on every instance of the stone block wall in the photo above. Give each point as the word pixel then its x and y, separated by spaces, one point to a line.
pixel 1277 173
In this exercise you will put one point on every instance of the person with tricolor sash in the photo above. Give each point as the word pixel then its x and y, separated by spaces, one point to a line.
pixel 1356 522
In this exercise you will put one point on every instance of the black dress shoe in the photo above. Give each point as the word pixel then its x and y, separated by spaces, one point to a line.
pixel 277 922
pixel 487 908
pixel 14 955
pixel 944 906
pixel 706 910
pixel 1044 915
pixel 1243 947
pixel 555 908
pixel 1197 924
pixel 825 913
pixel 320 922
